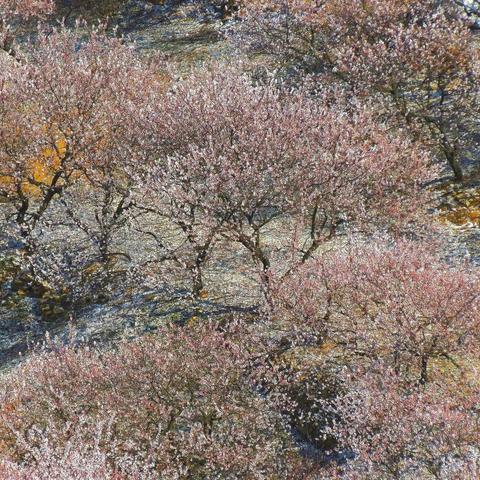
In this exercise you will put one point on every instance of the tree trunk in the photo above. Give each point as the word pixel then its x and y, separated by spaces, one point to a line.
pixel 197 280
pixel 452 158
pixel 424 370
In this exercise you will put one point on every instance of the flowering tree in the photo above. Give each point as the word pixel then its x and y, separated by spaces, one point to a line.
pixel 394 430
pixel 417 58
pixel 179 403
pixel 235 158
pixel 229 152
pixel 401 303
pixel 66 109
pixel 26 8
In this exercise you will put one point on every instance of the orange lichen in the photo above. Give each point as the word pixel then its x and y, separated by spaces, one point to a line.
pixel 464 209
pixel 39 170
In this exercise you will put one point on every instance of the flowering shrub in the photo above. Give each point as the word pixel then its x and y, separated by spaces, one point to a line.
pixel 26 8
pixel 179 404
pixel 399 302
pixel 393 331
pixel 76 460
pixel 395 429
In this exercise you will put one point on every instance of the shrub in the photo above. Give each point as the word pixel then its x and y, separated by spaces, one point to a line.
pixel 178 404
pixel 400 302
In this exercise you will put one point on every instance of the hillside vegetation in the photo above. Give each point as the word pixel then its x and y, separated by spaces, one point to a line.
pixel 239 240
